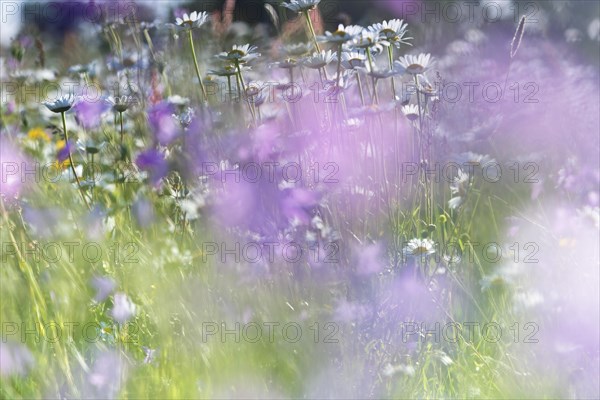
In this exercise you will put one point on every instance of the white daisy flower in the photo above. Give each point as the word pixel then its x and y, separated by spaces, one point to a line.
pixel 419 247
pixel 367 40
pixel 240 54
pixel 178 100
pixel 342 34
pixel 392 31
pixel 319 60
pixel 475 160
pixel 416 64
pixel 120 103
pixel 61 104
pixel 425 87
pixel 459 189
pixel 286 63
pixel 224 70
pixel 460 183
pixel 353 60
pixel 384 72
pixel 411 112
pixel 297 49
pixel 299 6
pixel 194 20
pixel 456 202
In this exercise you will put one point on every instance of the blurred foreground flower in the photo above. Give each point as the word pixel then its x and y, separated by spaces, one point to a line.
pixel 123 308
pixel 193 20
pixel 299 6
pixel 15 359
pixel 61 104
pixel 419 248
pixel 12 162
pixel 416 64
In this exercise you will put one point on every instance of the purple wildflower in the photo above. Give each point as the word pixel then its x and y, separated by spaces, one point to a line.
pixel 15 359
pixel 88 114
pixel 163 125
pixel 104 287
pixel 153 162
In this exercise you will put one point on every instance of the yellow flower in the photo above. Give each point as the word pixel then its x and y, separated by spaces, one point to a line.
pixel 38 133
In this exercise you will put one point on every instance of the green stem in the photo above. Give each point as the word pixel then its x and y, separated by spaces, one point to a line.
pixel 391 60
pixel 360 91
pixel 312 31
pixel 121 118
pixel 370 58
pixel 339 64
pixel 239 69
pixel 64 121
pixel 205 96
pixel 230 94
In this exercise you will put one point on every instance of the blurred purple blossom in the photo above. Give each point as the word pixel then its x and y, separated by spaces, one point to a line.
pixel 63 152
pixel 104 378
pixel 297 203
pixel 163 125
pixel 45 222
pixel 13 163
pixel 104 287
pixel 143 211
pixel 15 359
pixel 153 162
pixel 370 259
pixel 89 113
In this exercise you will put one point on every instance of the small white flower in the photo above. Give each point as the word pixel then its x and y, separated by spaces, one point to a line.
pixel 342 34
pixel 319 60
pixel 224 70
pixel 61 104
pixel 392 31
pixel 194 20
pixel 120 103
pixel 411 112
pixel 286 63
pixel 416 64
pixel 390 370
pixel 353 60
pixel 459 189
pixel 591 214
pixel 384 72
pixel 443 357
pixel 460 183
pixel 178 100
pixel 419 248
pixel 470 160
pixel 299 6
pixel 298 49
pixel 240 54
pixel 425 87
pixel 369 41
pixel 456 202
pixel 123 308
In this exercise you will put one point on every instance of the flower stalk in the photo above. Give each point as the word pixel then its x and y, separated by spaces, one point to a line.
pixel 311 28
pixel 204 95
pixel 64 122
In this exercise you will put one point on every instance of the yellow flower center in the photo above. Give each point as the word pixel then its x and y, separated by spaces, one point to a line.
pixel 420 250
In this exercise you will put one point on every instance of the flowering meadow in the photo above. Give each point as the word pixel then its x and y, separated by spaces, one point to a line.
pixel 300 199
